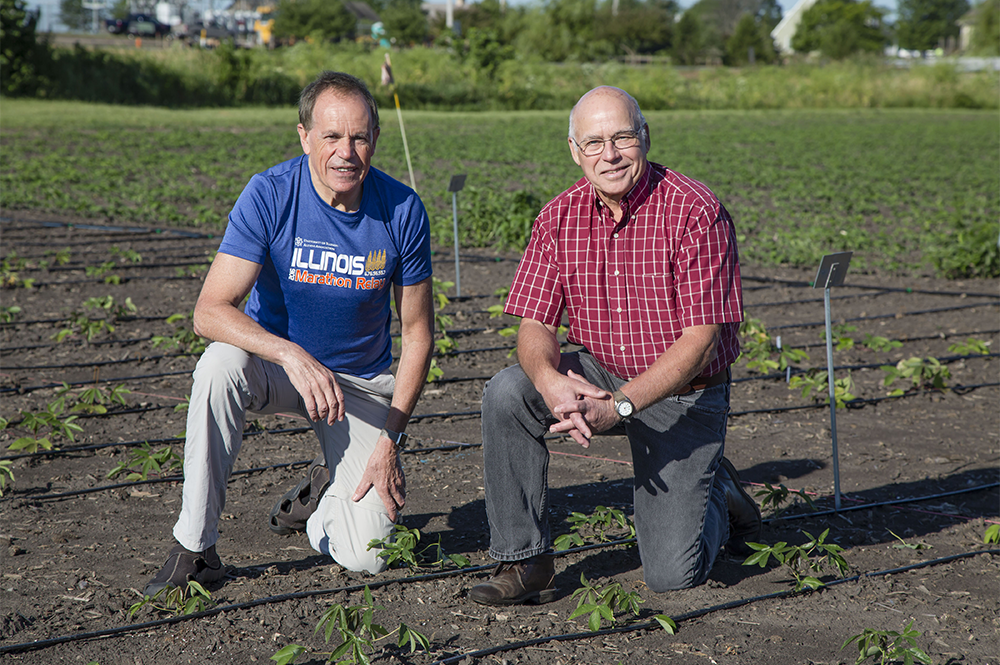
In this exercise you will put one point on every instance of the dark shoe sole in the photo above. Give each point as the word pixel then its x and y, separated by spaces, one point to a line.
pixel 282 519
pixel 529 598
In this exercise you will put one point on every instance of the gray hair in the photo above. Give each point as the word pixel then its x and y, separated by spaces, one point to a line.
pixel 638 119
pixel 339 82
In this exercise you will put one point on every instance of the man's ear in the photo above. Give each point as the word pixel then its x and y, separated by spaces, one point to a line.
pixel 378 130
pixel 572 150
pixel 648 140
pixel 303 137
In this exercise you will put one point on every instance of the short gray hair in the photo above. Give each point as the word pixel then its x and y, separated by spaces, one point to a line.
pixel 638 119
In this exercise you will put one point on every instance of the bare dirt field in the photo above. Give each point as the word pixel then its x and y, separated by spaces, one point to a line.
pixel 75 546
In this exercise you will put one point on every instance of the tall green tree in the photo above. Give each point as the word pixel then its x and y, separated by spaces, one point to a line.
pixel 22 58
pixel 687 39
pixel 840 28
pixel 985 39
pixel 922 24
pixel 405 21
pixel 319 19
pixel 637 26
pixel 73 15
pixel 751 33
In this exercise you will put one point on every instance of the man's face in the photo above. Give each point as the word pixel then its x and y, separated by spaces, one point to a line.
pixel 340 145
pixel 602 115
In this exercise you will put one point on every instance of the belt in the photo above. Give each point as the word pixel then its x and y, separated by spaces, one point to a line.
pixel 703 382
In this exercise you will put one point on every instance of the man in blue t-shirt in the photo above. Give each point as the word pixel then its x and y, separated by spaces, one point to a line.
pixel 316 242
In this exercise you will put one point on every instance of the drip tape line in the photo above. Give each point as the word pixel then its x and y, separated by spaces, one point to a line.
pixel 876 317
pixel 110 228
pixel 100 342
pixel 804 301
pixel 300 595
pixel 791 282
pixel 124 280
pixel 122 319
pixel 103 363
pixel 695 614
pixel 122 266
pixel 121 379
pixel 906 340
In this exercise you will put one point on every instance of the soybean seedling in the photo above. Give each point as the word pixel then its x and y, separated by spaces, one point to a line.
pixel 161 463
pixel 599 523
pixel 800 560
pixel 605 603
pixel 93 399
pixel 759 350
pixel 876 343
pixel 815 381
pixel 51 419
pixel 183 338
pixel 6 475
pixel 921 372
pixel 358 634
pixel 126 255
pixel 888 646
pixel 970 347
pixel 777 496
pixel 400 548
pixel 991 536
pixel 841 341
pixel 177 600
pixel 903 545
pixel 7 314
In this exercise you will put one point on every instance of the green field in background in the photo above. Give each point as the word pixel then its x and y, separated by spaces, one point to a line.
pixel 910 191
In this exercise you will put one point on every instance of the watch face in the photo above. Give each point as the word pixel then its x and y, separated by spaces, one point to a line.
pixel 624 409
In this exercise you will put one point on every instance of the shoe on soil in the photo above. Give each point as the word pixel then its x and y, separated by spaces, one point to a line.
pixel 516 582
pixel 183 565
pixel 293 509
pixel 744 515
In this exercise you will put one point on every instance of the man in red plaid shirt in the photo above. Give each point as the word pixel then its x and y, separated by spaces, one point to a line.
pixel 643 261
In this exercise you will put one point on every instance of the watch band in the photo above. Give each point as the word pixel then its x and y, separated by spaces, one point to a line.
pixel 398 438
pixel 620 399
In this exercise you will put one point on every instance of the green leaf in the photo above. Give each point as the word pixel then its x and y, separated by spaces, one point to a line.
pixel 667 623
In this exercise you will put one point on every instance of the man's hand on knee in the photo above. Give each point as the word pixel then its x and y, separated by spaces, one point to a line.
pixel 324 400
pixel 384 473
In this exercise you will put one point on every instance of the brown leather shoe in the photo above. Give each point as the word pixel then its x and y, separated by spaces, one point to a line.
pixel 515 582
pixel 744 515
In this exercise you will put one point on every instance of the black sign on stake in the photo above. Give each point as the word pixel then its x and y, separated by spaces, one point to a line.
pixel 455 186
pixel 832 270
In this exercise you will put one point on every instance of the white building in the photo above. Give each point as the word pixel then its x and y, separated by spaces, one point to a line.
pixel 784 31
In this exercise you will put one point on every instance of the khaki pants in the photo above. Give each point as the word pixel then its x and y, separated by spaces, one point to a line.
pixel 228 382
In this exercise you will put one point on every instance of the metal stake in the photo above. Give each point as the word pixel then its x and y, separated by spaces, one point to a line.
pixel 455 186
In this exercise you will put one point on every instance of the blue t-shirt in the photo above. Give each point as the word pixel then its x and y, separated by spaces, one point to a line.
pixel 326 275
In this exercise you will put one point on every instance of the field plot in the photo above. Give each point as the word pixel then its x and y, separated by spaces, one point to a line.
pixel 107 310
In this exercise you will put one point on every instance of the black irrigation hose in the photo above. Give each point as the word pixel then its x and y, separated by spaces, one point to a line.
pixel 695 614
pixel 792 282
pixel 124 280
pixel 100 342
pixel 106 227
pixel 102 363
pixel 876 317
pixel 778 303
pixel 123 379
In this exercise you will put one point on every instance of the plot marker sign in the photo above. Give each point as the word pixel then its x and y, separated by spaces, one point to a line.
pixel 832 270
pixel 455 186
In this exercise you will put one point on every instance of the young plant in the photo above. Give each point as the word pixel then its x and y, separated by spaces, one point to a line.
pixel 759 350
pixel 400 548
pixel 163 462
pixel 777 496
pixel 177 600
pixel 183 406
pixel 903 545
pixel 800 560
pixel 6 475
pixel 128 255
pixel 841 342
pixel 184 337
pixel 434 372
pixel 603 603
pixel 104 270
pixel 971 346
pixel 599 523
pixel 992 534
pixel 107 303
pixel 358 634
pixel 888 646
pixel 10 269
pixel 81 324
pixel 50 418
pixel 7 314
pixel 93 399
pixel 816 381
pixel 445 343
pixel 921 372
pixel 876 343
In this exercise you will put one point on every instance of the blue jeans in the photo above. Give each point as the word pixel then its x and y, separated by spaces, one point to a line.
pixel 681 518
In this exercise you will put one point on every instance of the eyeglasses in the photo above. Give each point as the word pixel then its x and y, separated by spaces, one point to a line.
pixel 622 141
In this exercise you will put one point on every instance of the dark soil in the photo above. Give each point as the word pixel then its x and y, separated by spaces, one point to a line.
pixel 72 564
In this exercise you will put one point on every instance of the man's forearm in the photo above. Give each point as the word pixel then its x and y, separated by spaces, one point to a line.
pixel 675 368
pixel 537 350
pixel 411 377
pixel 222 322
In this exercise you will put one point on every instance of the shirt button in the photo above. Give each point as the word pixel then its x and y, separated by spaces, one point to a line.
pixel 622 347
pixel 619 309
pixel 616 272
pixel 616 235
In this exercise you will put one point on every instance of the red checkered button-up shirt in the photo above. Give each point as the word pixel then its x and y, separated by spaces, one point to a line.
pixel 630 289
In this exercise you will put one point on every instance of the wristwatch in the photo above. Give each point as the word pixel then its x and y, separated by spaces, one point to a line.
pixel 399 438
pixel 623 406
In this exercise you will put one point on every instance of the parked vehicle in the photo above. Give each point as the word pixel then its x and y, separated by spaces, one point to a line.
pixel 140 25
